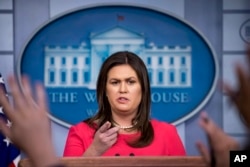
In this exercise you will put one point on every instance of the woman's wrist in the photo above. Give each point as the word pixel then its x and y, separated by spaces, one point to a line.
pixel 91 151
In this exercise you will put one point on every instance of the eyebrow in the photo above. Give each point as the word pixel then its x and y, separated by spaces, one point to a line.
pixel 125 78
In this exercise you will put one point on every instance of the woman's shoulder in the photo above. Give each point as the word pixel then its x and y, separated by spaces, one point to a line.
pixel 81 126
pixel 80 132
pixel 157 124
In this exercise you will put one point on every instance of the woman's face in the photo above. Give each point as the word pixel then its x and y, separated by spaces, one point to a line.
pixel 123 90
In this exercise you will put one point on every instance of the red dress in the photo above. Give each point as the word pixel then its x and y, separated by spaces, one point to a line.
pixel 166 142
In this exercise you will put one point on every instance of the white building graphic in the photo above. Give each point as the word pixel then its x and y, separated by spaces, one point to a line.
pixel 79 66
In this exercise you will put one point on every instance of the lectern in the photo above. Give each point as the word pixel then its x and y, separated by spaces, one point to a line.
pixel 159 161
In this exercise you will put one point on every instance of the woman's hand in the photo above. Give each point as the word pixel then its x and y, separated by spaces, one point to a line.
pixel 104 138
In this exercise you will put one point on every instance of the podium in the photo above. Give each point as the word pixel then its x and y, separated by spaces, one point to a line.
pixel 141 161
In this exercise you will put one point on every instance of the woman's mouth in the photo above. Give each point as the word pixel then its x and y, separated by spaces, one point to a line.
pixel 122 100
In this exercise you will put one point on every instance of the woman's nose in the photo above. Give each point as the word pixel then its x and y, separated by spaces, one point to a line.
pixel 123 88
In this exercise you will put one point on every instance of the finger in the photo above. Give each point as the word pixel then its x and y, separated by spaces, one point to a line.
pixel 27 92
pixel 16 93
pixel 7 108
pixel 243 79
pixel 112 131
pixel 203 151
pixel 209 127
pixel 111 137
pixel 248 54
pixel 229 91
pixel 205 122
pixel 242 101
pixel 41 97
pixel 5 129
pixel 104 127
pixel 113 141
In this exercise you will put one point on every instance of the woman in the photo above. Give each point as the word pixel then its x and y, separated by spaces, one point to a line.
pixel 122 125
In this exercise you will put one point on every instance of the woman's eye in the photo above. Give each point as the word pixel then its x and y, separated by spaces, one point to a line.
pixel 131 82
pixel 114 82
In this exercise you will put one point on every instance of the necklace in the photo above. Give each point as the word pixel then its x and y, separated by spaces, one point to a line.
pixel 124 127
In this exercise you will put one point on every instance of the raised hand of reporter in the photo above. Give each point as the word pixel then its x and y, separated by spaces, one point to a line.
pixel 241 95
pixel 30 126
pixel 219 142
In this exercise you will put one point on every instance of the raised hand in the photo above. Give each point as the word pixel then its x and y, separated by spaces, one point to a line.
pixel 241 96
pixel 30 125
pixel 104 138
pixel 219 142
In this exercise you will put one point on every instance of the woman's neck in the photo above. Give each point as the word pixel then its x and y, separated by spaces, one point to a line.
pixel 124 123
pixel 124 127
